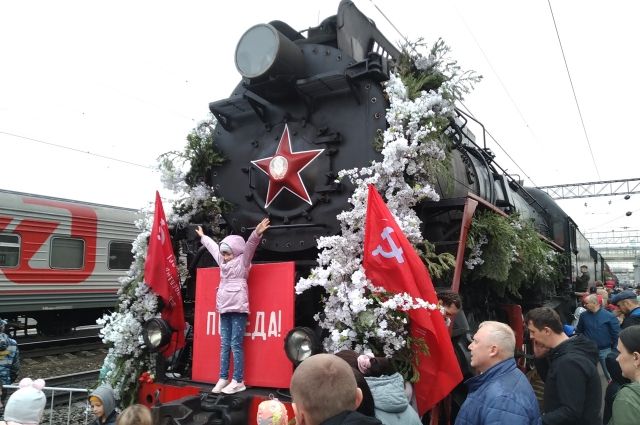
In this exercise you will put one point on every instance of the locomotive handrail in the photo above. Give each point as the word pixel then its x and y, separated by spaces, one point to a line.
pixel 484 130
pixel 495 163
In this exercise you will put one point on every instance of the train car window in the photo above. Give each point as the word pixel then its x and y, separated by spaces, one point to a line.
pixel 67 253
pixel 120 255
pixel 9 250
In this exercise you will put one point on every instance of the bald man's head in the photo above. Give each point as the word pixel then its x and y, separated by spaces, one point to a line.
pixel 493 343
pixel 323 386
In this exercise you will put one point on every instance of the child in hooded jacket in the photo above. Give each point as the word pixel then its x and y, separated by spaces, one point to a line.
pixel 233 256
pixel 103 405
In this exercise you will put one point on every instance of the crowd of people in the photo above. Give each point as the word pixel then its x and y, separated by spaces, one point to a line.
pixel 325 388
pixel 353 388
pixel 27 404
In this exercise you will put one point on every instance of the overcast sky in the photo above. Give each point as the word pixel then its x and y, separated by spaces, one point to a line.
pixel 129 80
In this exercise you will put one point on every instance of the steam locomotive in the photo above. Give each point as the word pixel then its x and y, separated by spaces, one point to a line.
pixel 60 260
pixel 306 108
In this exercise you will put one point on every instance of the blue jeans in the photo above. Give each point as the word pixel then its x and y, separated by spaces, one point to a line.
pixel 232 327
pixel 602 354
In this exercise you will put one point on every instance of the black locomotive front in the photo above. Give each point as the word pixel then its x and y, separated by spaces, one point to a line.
pixel 306 108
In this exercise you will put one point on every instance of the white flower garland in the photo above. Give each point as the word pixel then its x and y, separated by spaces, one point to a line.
pixel 122 330
pixel 354 318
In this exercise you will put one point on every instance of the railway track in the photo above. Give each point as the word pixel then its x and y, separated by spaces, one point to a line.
pixel 66 361
pixel 54 347
pixel 84 379
pixel 58 387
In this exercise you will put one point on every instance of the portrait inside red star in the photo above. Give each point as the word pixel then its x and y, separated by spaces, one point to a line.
pixel 284 169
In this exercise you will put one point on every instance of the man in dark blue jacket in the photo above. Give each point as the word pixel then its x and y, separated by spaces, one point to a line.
pixel 501 393
pixel 572 387
pixel 601 327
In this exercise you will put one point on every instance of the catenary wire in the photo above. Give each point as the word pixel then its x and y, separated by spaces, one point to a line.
pixel 504 87
pixel 467 109
pixel 610 221
pixel 390 23
pixel 110 158
pixel 575 97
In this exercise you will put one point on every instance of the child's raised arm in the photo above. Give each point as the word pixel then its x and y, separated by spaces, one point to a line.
pixel 210 244
pixel 252 242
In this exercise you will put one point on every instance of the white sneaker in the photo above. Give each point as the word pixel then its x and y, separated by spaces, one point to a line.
pixel 234 387
pixel 220 385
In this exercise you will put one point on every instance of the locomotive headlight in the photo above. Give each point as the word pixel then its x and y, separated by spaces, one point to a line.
pixel 301 343
pixel 265 51
pixel 278 167
pixel 156 334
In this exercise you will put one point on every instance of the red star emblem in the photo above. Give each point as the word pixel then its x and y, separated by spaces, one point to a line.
pixel 284 167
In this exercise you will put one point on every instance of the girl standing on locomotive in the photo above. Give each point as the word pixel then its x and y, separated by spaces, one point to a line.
pixel 233 256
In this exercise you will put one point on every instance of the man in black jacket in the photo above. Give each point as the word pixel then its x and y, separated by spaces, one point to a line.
pixel 572 387
pixel 582 281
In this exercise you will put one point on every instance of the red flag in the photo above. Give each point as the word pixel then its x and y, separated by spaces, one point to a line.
pixel 161 274
pixel 391 262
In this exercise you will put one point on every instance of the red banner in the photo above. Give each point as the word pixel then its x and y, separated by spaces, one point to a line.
pixel 391 262
pixel 161 274
pixel 271 317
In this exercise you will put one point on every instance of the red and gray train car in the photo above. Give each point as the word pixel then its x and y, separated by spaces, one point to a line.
pixel 60 260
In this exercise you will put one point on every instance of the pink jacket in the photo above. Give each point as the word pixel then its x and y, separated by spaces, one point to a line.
pixel 233 294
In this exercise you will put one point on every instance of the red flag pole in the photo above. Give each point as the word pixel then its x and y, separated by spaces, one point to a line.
pixel 390 261
pixel 161 274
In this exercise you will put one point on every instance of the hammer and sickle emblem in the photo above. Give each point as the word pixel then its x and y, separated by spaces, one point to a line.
pixel 395 251
pixel 161 230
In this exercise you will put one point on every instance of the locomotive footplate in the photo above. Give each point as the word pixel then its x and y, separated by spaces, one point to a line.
pixel 193 404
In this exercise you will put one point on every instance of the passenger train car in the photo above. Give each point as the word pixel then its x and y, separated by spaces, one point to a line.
pixel 60 260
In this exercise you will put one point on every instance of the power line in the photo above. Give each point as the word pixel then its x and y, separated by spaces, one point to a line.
pixel 390 23
pixel 465 107
pixel 504 87
pixel 575 97
pixel 611 221
pixel 76 150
